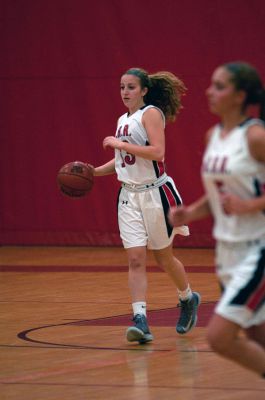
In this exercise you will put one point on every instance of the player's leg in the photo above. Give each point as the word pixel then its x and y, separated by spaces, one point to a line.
pixel 241 273
pixel 160 238
pixel 137 278
pixel 224 338
pixel 189 301
pixel 134 238
pixel 174 268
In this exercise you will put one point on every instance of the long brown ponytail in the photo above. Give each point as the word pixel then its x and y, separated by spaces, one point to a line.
pixel 164 90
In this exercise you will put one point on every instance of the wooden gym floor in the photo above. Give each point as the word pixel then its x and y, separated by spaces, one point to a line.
pixel 64 313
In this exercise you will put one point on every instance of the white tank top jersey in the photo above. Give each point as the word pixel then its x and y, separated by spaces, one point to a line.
pixel 229 167
pixel 132 169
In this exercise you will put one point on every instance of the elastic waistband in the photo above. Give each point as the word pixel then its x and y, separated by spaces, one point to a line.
pixel 141 188
pixel 245 243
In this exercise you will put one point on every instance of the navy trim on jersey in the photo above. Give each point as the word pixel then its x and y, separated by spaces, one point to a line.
pixel 258 192
pixel 241 123
pixel 257 187
pixel 245 121
pixel 156 168
pixel 246 292
pixel 141 108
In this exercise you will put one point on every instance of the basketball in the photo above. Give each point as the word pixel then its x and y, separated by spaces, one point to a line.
pixel 75 179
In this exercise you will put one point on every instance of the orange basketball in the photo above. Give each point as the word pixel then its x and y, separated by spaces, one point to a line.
pixel 75 179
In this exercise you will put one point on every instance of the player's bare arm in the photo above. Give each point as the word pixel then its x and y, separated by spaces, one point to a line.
pixel 183 215
pixel 233 204
pixel 105 169
pixel 256 142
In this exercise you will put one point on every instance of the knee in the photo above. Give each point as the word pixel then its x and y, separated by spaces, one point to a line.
pixel 136 263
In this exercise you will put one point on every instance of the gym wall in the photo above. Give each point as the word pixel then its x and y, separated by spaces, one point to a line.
pixel 60 69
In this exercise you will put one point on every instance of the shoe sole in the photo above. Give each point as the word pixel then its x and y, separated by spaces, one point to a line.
pixel 136 335
pixel 198 297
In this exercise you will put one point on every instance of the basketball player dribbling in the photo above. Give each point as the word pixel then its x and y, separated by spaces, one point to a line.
pixel 147 192
pixel 233 173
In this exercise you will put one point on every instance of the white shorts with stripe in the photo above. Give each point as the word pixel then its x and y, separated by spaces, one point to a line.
pixel 241 271
pixel 142 214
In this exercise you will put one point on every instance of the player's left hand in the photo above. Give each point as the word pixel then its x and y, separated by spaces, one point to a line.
pixel 233 204
pixel 111 141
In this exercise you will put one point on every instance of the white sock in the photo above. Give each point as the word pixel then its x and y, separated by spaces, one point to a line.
pixel 185 294
pixel 139 307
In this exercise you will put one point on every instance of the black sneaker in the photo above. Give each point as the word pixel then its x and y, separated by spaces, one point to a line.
pixel 188 314
pixel 140 331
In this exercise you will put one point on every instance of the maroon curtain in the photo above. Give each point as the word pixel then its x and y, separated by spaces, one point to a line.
pixel 60 68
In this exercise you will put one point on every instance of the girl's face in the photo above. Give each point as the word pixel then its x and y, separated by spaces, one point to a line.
pixel 131 92
pixel 222 94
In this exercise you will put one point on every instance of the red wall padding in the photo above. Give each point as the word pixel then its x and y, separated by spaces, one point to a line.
pixel 60 68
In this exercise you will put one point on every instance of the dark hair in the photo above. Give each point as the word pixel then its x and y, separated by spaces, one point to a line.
pixel 164 90
pixel 245 77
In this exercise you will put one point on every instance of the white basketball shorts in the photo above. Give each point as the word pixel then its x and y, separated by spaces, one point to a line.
pixel 142 216
pixel 241 271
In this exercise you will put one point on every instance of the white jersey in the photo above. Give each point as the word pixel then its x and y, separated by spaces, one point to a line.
pixel 132 169
pixel 229 167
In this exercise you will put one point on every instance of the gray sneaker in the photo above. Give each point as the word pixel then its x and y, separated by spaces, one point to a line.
pixel 188 314
pixel 140 331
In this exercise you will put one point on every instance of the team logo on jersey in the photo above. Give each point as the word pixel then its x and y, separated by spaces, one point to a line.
pixel 215 165
pixel 123 131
